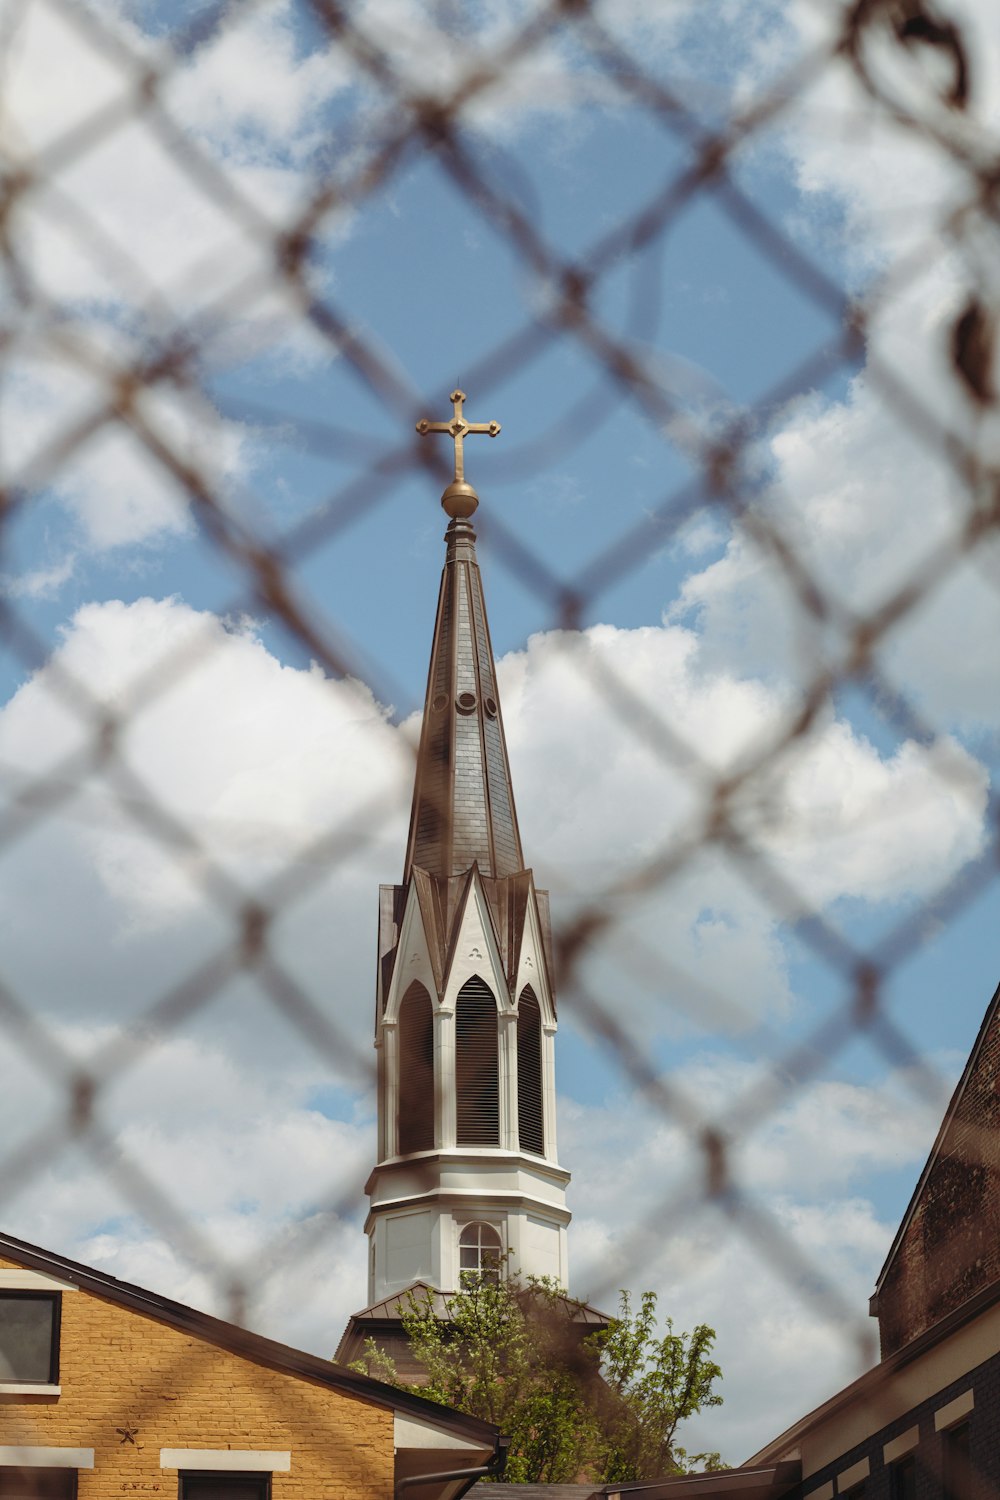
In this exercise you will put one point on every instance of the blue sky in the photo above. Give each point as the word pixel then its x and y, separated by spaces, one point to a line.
pixel 253 1129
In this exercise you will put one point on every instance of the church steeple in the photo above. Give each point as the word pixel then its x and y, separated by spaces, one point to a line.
pixel 463 803
pixel 465 1014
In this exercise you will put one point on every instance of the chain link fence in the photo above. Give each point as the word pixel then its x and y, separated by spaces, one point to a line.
pixel 156 374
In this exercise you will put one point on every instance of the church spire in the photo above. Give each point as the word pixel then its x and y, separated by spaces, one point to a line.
pixel 463 803
pixel 465 1015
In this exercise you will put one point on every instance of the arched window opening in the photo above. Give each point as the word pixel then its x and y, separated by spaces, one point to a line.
pixel 530 1129
pixel 480 1252
pixel 477 1073
pixel 416 1072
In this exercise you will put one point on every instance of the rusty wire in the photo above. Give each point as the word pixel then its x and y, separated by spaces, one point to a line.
pixel 407 125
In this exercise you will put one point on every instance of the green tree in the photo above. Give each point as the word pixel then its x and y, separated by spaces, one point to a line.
pixel 603 1407
pixel 652 1384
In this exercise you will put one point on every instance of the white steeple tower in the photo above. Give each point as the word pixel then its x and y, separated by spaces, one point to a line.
pixel 465 1014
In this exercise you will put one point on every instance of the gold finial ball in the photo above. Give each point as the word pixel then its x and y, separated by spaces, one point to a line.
pixel 459 500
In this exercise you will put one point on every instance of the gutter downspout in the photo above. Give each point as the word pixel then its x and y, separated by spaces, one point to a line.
pixel 497 1467
pixel 446 1474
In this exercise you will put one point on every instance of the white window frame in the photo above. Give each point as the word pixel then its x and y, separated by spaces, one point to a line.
pixel 13 1280
pixel 46 1458
pixel 238 1460
pixel 478 1269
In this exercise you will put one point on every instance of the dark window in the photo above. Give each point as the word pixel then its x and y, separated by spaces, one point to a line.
pixel 529 1074
pixel 225 1486
pixel 958 1475
pixel 37 1484
pixel 29 1337
pixel 904 1479
pixel 479 1252
pixel 416 1071
pixel 477 1081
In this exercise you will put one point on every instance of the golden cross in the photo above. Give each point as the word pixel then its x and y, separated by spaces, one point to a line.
pixel 459 429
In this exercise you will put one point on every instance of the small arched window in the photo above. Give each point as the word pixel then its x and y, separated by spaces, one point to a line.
pixel 530 1128
pixel 416 1072
pixel 479 1253
pixel 477 1073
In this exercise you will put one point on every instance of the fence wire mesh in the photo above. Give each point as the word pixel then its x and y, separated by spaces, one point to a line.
pixel 128 359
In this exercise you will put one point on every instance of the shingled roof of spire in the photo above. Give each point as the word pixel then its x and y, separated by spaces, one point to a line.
pixel 463 802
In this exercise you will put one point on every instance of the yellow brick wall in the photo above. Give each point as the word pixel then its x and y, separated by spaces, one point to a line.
pixel 119 1368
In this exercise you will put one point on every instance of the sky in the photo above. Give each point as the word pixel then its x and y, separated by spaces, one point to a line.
pixel 234 1134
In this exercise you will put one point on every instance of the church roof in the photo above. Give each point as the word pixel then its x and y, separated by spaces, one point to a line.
pixel 388 1308
pixel 750 1482
pixel 463 802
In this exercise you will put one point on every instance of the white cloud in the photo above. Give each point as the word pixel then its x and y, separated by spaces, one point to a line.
pixel 254 91
pixel 131 219
pixel 834 816
pixel 846 142
pixel 860 487
pixel 117 492
pixel 805 1163
pixel 247 99
pixel 41 583
pixel 259 760
pixel 120 241
pixel 868 502
pixel 253 1173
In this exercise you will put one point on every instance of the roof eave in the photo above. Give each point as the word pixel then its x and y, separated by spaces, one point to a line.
pixel 882 1373
pixel 751 1482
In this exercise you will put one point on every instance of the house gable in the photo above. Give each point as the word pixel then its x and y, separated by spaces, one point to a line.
pixel 143 1379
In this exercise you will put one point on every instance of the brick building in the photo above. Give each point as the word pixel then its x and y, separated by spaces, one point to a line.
pixel 947 1248
pixel 107 1390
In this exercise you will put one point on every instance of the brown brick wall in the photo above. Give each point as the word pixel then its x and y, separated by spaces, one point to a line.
pixel 951 1247
pixel 119 1367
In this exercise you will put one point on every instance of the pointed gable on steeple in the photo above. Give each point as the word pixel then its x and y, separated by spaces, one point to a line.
pixel 947 1247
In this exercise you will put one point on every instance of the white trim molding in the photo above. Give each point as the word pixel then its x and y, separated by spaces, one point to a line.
pixel 26 1388
pixel 249 1459
pixel 411 1432
pixel 848 1478
pixel 947 1416
pixel 32 1281
pixel 905 1443
pixel 47 1458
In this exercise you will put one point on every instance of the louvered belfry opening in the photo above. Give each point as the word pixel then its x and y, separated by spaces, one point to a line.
pixel 531 1132
pixel 416 1071
pixel 477 1072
